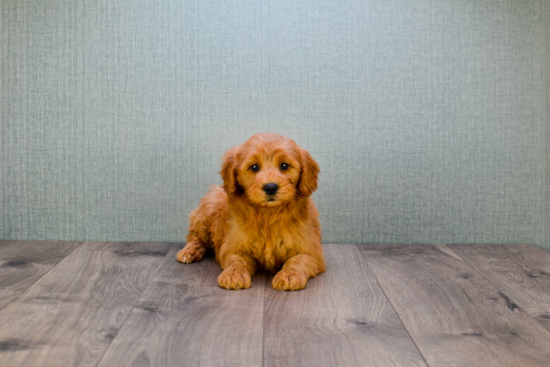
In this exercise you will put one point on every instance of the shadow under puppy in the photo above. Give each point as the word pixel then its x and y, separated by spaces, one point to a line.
pixel 263 219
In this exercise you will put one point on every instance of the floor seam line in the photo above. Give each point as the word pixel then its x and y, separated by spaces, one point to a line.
pixel 490 282
pixel 391 304
pixel 43 275
pixel 134 306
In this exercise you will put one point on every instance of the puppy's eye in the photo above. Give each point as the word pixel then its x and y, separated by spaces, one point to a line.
pixel 254 168
pixel 284 167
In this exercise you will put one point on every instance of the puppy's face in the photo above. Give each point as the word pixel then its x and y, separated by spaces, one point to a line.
pixel 269 170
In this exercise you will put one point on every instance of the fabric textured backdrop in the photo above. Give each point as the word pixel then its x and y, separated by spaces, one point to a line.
pixel 430 119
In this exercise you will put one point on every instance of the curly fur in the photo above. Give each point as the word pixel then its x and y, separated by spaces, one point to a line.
pixel 249 230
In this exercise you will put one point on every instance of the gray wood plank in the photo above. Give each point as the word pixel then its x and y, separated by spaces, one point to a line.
pixel 22 263
pixel 342 318
pixel 455 315
pixel 522 272
pixel 70 316
pixel 185 319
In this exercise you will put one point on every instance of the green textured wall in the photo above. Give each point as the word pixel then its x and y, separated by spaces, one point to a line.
pixel 430 119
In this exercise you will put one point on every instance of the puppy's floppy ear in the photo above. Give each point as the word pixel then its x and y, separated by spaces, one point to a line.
pixel 229 171
pixel 308 177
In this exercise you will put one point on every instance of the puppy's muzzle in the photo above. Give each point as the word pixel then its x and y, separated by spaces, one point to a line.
pixel 271 188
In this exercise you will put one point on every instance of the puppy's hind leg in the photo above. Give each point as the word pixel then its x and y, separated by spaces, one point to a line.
pixel 198 239
pixel 192 252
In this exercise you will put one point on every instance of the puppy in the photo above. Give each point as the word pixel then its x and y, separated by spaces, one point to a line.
pixel 263 218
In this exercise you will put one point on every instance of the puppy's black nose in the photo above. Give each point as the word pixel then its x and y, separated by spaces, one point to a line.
pixel 271 188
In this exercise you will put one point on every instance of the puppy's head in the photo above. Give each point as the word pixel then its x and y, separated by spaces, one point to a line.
pixel 269 170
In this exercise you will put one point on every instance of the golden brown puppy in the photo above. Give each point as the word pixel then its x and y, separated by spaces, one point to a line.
pixel 263 218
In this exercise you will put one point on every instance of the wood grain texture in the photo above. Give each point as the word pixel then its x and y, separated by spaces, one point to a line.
pixel 522 272
pixel 133 304
pixel 455 315
pixel 185 319
pixel 342 318
pixel 70 316
pixel 22 263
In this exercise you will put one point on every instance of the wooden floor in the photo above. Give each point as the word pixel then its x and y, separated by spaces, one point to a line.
pixel 133 304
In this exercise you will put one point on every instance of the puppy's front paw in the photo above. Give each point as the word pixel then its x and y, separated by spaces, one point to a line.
pixel 235 277
pixel 190 254
pixel 289 280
